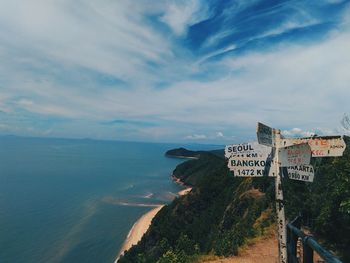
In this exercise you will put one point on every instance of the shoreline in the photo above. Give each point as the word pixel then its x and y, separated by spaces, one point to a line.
pixel 182 157
pixel 141 226
pixel 184 191
pixel 179 182
pixel 138 230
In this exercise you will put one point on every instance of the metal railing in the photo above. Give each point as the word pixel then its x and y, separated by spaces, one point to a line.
pixel 309 245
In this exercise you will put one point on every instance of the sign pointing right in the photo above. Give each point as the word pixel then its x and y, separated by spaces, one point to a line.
pixel 323 146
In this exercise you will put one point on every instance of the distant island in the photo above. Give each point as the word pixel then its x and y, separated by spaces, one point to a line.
pixel 188 154
pixel 183 153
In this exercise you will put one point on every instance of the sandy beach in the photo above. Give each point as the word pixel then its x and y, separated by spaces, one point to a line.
pixel 185 191
pixel 139 228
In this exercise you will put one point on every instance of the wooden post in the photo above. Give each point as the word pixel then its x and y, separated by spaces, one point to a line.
pixel 281 220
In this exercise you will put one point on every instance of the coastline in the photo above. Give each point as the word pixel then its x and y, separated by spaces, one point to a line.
pixel 143 223
pixel 184 191
pixel 182 157
pixel 179 182
pixel 141 226
pixel 138 229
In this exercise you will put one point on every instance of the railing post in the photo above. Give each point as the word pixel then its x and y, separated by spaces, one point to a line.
pixel 309 246
pixel 293 246
pixel 308 253
pixel 292 241
pixel 289 244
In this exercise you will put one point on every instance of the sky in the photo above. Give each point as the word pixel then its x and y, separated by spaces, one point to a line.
pixel 173 71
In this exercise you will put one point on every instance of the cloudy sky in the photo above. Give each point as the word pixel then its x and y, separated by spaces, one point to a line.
pixel 173 71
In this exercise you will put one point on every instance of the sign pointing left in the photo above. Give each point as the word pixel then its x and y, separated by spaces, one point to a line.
pixel 244 149
pixel 249 160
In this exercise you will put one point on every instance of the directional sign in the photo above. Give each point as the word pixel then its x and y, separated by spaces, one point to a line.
pixel 246 149
pixel 295 155
pixel 264 134
pixel 249 159
pixel 301 173
pixel 324 146
pixel 251 166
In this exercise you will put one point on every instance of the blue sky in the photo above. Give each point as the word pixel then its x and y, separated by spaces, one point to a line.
pixel 173 71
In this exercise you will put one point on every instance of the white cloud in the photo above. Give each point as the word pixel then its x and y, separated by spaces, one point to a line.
pixel 196 137
pixel 41 42
pixel 46 109
pixel 287 26
pixel 108 37
pixel 219 134
pixel 179 15
pixel 297 132
pixel 297 85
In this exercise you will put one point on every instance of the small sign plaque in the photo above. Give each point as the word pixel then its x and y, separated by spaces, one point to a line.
pixel 301 173
pixel 264 134
pixel 298 154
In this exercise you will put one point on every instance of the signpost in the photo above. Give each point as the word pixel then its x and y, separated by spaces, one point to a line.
pixel 265 134
pixel 250 166
pixel 244 149
pixel 295 155
pixel 249 159
pixel 301 172
pixel 270 154
pixel 324 146
pixel 281 219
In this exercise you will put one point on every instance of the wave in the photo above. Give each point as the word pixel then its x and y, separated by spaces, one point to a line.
pixel 138 204
pixel 111 200
pixel 148 195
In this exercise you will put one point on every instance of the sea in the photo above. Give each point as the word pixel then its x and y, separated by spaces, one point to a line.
pixel 75 200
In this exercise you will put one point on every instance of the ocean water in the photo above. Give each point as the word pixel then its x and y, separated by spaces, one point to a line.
pixel 76 200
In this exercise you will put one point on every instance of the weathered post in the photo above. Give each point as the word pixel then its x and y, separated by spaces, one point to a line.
pixel 281 220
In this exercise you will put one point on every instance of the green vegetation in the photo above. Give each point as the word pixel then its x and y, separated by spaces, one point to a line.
pixel 325 203
pixel 216 217
pixel 222 212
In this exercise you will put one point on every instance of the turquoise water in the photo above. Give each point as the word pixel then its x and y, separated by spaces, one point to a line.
pixel 74 200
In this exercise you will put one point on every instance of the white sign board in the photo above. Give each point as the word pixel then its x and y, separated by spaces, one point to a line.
pixel 249 159
pixel 301 172
pixel 246 149
pixel 264 134
pixel 251 166
pixel 324 146
pixel 295 155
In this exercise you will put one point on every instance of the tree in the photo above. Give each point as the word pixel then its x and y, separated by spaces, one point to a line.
pixel 345 122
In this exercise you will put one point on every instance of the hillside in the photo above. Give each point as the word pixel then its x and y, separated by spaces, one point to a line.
pixel 207 219
pixel 262 250
pixel 325 203
pixel 222 212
